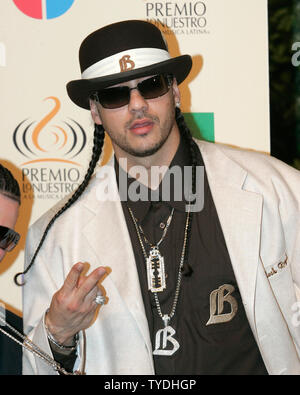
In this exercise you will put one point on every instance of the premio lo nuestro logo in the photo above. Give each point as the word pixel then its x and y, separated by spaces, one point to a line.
pixel 49 141
pixel 178 17
pixel 43 9
pixel 49 146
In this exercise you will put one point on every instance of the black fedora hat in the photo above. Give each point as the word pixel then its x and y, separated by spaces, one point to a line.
pixel 121 52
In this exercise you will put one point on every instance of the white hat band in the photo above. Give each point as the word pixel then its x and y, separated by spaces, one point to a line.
pixel 125 61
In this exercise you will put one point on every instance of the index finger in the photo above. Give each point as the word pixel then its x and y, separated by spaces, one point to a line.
pixel 90 282
pixel 72 278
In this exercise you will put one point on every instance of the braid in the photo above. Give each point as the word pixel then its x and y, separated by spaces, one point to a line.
pixel 187 135
pixel 97 149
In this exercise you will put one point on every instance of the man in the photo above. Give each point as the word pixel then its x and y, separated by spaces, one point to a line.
pixel 10 353
pixel 182 289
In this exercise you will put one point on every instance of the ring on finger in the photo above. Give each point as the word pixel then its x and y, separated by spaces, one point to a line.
pixel 100 299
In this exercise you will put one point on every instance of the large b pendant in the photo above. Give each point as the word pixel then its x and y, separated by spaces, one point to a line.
pixel 166 335
pixel 156 271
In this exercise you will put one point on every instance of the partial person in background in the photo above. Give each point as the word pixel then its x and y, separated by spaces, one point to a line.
pixel 10 199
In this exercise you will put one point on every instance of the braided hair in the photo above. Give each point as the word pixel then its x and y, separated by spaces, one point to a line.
pixel 99 135
pixel 8 185
pixel 187 136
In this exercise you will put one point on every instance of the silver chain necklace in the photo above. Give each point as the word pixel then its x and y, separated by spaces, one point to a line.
pixel 155 261
pixel 167 333
pixel 27 344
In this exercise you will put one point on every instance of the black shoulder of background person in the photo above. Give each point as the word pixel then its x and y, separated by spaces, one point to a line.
pixel 11 352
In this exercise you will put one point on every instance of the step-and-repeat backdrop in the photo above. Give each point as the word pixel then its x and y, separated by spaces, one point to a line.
pixel 46 140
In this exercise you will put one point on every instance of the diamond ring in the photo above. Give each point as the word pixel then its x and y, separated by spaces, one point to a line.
pixel 100 299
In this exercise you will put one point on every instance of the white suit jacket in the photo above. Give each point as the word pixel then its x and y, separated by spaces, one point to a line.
pixel 258 202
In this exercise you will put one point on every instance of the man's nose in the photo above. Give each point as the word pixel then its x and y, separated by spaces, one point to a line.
pixel 137 102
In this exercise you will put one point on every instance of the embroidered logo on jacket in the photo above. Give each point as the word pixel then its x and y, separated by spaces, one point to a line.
pixel 278 267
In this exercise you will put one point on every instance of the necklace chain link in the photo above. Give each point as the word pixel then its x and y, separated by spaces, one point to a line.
pixel 166 317
pixel 33 348
pixel 164 232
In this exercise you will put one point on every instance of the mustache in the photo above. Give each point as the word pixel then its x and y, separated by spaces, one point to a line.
pixel 141 115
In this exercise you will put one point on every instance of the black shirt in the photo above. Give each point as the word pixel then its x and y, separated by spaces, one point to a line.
pixel 11 352
pixel 210 321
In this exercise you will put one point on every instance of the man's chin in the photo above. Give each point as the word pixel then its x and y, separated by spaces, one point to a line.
pixel 145 153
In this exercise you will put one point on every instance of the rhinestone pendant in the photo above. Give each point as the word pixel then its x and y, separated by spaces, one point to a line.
pixel 166 335
pixel 156 271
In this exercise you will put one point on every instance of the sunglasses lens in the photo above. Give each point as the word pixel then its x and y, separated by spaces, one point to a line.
pixel 8 238
pixel 114 97
pixel 120 96
pixel 154 87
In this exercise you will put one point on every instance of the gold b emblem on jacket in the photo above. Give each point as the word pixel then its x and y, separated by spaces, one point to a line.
pixel 217 300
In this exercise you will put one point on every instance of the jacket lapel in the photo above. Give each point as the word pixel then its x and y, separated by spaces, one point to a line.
pixel 108 236
pixel 239 213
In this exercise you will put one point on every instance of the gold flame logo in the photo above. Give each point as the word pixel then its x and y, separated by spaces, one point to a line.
pixel 49 141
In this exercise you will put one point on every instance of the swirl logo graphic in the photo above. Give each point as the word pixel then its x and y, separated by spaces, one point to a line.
pixel 49 141
pixel 43 9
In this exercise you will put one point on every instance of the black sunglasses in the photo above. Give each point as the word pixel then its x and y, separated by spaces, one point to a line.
pixel 8 238
pixel 119 96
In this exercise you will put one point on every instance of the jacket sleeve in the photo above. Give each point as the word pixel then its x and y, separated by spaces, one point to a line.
pixel 41 282
pixel 37 294
pixel 289 207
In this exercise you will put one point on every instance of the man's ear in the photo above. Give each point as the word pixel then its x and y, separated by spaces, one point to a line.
pixel 95 112
pixel 176 92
